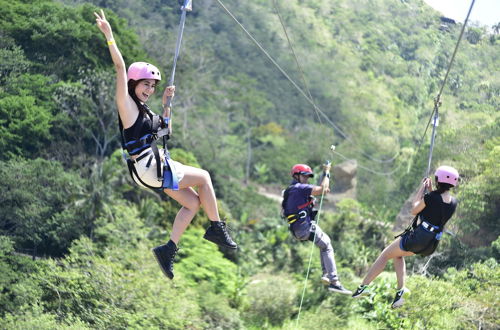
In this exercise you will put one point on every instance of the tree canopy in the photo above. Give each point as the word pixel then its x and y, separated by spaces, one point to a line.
pixel 76 233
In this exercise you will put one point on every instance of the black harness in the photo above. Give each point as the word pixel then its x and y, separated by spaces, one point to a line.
pixel 423 238
pixel 303 211
pixel 159 129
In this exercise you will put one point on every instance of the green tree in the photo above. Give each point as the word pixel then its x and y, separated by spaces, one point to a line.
pixel 60 40
pixel 38 209
pixel 247 106
pixel 25 115
pixel 89 108
pixel 13 61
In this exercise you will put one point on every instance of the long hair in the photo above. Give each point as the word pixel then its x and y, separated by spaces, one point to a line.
pixel 132 84
pixel 441 187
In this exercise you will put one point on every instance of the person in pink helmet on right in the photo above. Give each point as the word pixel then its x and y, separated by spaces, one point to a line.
pixel 151 166
pixel 432 211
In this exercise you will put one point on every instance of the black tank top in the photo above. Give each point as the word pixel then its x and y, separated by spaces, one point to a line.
pixel 436 211
pixel 141 130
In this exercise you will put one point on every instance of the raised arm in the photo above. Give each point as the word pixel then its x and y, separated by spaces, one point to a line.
pixel 418 202
pixel 324 186
pixel 168 93
pixel 126 107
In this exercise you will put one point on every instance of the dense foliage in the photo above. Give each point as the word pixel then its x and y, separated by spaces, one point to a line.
pixel 76 234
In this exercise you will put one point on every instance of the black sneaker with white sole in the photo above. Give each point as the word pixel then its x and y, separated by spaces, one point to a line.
pixel 361 291
pixel 337 287
pixel 399 300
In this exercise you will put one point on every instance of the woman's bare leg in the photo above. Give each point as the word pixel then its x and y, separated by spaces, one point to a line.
pixel 390 252
pixel 190 202
pixel 196 177
pixel 400 268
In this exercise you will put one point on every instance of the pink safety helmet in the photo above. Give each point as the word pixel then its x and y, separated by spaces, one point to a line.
pixel 301 169
pixel 143 70
pixel 447 174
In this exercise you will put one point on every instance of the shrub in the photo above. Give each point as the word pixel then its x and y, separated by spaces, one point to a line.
pixel 272 299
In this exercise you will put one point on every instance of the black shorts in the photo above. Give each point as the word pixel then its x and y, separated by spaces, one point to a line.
pixel 419 241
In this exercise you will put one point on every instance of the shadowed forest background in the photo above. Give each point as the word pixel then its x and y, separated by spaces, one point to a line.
pixel 76 233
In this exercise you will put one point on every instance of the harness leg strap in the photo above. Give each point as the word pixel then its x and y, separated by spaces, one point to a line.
pixel 158 161
pixel 170 180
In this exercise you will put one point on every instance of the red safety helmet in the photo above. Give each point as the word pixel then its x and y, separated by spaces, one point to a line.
pixel 301 169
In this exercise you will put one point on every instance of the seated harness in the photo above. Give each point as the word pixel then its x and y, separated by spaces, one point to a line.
pixel 159 130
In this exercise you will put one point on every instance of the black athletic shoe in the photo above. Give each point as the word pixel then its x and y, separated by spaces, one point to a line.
pixel 217 233
pixel 165 255
pixel 398 300
pixel 361 291
pixel 337 287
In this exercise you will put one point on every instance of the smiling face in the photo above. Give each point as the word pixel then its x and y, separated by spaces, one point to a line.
pixel 144 89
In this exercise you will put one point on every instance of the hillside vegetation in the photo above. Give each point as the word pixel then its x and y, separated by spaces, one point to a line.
pixel 76 233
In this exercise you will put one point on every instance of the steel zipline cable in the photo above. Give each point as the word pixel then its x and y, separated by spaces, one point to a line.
pixel 437 101
pixel 434 115
pixel 309 98
pixel 304 81
pixel 302 75
pixel 301 91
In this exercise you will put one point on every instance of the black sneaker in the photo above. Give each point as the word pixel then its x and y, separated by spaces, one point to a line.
pixel 337 287
pixel 165 255
pixel 361 291
pixel 217 233
pixel 398 300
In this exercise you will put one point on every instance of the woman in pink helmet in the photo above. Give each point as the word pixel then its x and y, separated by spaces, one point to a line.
pixel 433 209
pixel 140 129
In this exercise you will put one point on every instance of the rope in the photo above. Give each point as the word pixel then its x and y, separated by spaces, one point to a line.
pixel 301 91
pixel 310 260
pixel 186 7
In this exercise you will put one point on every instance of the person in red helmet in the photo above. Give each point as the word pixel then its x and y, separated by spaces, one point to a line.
pixel 153 168
pixel 297 208
pixel 433 209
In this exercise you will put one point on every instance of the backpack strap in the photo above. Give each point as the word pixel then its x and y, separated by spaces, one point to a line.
pixel 285 199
